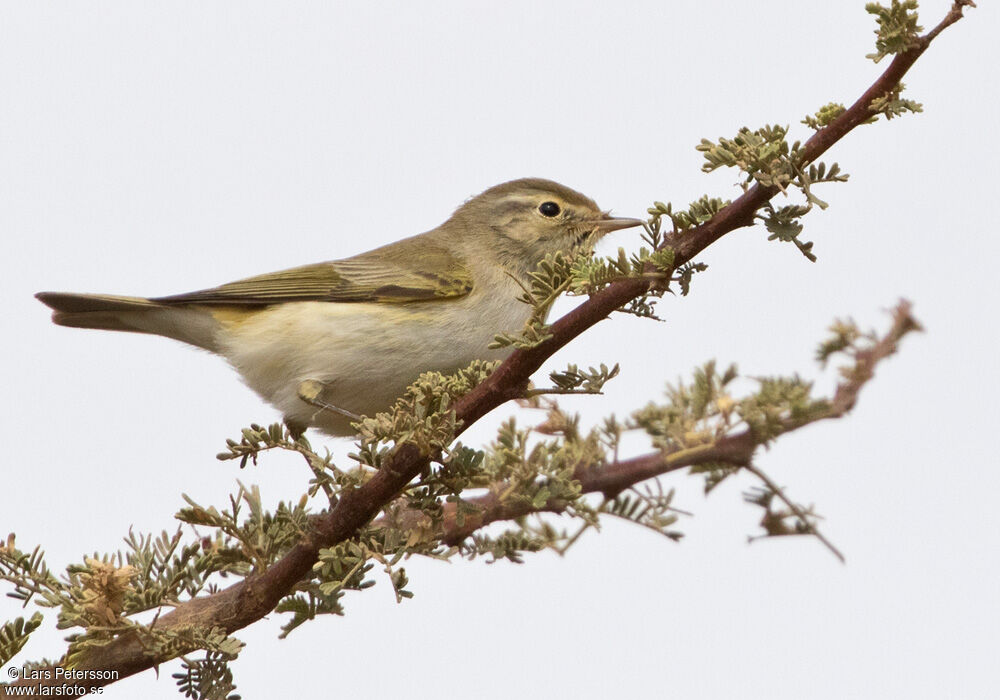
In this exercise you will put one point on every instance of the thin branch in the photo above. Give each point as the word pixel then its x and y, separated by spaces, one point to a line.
pixel 847 391
pixel 555 391
pixel 801 514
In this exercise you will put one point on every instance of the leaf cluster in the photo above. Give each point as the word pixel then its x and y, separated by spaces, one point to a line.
pixel 766 158
pixel 345 567
pixel 326 476
pixel 777 521
pixel 891 104
pixel 550 278
pixel 698 212
pixel 824 116
pixel 207 678
pixel 176 641
pixel 649 506
pixel 574 380
pixel 421 417
pixel 14 635
pixel 244 544
pixel 897 31
pixel 763 154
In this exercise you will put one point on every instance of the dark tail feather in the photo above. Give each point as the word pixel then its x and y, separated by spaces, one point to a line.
pixel 188 324
pixel 93 310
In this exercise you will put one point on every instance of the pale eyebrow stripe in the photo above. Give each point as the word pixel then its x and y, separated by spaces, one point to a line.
pixel 513 204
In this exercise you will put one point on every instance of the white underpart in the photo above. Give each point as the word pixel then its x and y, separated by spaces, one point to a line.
pixel 367 353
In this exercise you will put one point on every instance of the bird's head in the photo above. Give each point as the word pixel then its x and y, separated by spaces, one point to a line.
pixel 522 221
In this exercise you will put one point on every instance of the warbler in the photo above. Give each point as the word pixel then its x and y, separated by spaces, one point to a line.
pixel 328 342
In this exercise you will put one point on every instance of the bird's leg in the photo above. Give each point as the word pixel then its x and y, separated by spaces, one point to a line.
pixel 316 393
pixel 295 428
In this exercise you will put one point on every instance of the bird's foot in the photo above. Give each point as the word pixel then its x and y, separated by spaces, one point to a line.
pixel 317 393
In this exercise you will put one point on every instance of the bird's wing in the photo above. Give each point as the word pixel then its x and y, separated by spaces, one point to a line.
pixel 423 271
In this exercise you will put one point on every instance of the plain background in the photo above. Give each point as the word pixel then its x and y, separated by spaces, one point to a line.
pixel 153 148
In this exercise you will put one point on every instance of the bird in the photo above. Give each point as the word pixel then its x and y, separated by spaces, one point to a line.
pixel 329 342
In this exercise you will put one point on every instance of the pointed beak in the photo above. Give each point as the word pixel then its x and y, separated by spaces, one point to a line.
pixel 615 223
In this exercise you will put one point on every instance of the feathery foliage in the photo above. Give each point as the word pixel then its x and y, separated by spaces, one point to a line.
pixel 14 635
pixel 897 29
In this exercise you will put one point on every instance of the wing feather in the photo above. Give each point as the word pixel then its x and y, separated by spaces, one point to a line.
pixel 410 270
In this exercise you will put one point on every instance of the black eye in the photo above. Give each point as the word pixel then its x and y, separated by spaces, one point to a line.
pixel 548 209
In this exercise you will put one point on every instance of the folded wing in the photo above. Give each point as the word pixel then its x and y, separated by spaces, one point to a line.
pixel 421 271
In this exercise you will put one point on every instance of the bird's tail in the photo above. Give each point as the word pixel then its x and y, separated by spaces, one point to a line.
pixel 188 324
pixel 94 310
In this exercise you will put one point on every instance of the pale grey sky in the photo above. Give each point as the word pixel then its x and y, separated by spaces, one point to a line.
pixel 152 148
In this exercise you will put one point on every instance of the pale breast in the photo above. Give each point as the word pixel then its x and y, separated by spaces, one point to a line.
pixel 365 353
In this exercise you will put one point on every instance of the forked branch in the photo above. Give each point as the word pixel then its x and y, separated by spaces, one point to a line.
pixel 255 596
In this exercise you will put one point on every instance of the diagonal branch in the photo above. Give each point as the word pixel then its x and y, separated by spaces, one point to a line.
pixel 737 449
pixel 254 597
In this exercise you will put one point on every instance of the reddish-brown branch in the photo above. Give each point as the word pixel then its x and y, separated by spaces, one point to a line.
pixel 251 599
pixel 611 479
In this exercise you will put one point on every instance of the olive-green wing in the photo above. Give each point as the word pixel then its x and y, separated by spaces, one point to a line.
pixel 411 270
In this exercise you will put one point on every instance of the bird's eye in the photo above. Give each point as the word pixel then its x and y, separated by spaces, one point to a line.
pixel 548 209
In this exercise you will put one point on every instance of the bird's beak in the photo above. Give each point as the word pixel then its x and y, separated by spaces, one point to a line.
pixel 615 223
